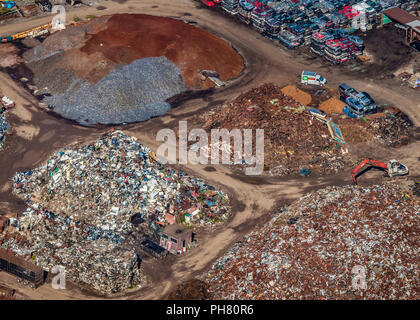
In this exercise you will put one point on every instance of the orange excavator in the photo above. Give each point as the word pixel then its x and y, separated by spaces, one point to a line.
pixel 393 168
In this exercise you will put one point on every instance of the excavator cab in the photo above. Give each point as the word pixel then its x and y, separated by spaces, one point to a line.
pixel 396 168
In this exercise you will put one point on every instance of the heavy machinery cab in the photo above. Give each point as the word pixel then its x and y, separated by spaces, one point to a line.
pixel 393 168
pixel 396 168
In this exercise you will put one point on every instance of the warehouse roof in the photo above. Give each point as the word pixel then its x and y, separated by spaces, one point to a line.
pixel 415 25
pixel 400 15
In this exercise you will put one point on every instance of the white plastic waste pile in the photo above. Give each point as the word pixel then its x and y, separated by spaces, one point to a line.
pixel 81 203
pixel 108 182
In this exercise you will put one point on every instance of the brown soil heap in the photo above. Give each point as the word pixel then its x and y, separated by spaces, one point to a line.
pixel 93 48
pixel 332 105
pixel 298 95
pixel 9 55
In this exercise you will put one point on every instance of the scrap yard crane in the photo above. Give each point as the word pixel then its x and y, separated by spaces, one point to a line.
pixel 393 168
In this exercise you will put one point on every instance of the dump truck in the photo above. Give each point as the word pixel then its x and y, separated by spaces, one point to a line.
pixel 310 77
pixel 392 168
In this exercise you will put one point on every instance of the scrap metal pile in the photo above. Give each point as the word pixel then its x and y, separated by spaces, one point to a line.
pixel 106 183
pixel 293 138
pixel 325 245
pixel 393 128
pixel 81 203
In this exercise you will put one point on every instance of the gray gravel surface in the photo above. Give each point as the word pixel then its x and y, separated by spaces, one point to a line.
pixel 131 93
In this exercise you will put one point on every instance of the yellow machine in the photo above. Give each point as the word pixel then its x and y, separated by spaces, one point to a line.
pixel 31 32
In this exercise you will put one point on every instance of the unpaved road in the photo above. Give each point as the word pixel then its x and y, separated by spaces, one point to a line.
pixel 267 62
pixel 254 198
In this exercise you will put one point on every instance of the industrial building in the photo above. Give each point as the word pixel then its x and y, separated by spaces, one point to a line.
pixel 176 238
pixel 409 21
pixel 21 268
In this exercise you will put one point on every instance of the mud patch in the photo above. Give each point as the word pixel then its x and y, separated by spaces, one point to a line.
pixel 210 169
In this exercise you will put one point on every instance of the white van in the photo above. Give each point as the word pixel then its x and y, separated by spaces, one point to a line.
pixel 309 77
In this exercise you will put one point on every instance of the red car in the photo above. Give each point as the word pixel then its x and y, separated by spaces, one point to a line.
pixel 208 3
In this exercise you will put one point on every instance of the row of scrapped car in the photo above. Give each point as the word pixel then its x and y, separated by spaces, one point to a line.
pixel 325 25
pixel 336 45
pixel 358 104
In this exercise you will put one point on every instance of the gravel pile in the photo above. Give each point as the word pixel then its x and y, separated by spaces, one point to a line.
pixel 312 251
pixel 64 40
pixel 133 93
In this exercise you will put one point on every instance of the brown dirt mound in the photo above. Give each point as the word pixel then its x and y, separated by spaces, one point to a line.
pixel 332 105
pixel 298 95
pixel 98 45
pixel 9 55
pixel 193 289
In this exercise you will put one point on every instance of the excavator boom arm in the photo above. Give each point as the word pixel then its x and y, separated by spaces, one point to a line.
pixel 369 162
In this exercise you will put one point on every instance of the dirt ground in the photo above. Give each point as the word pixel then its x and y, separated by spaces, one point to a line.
pixel 254 198
pixel 9 55
pixel 387 47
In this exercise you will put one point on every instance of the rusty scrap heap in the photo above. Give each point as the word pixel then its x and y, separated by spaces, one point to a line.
pixel 324 245
pixel 293 138
pixel 393 129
